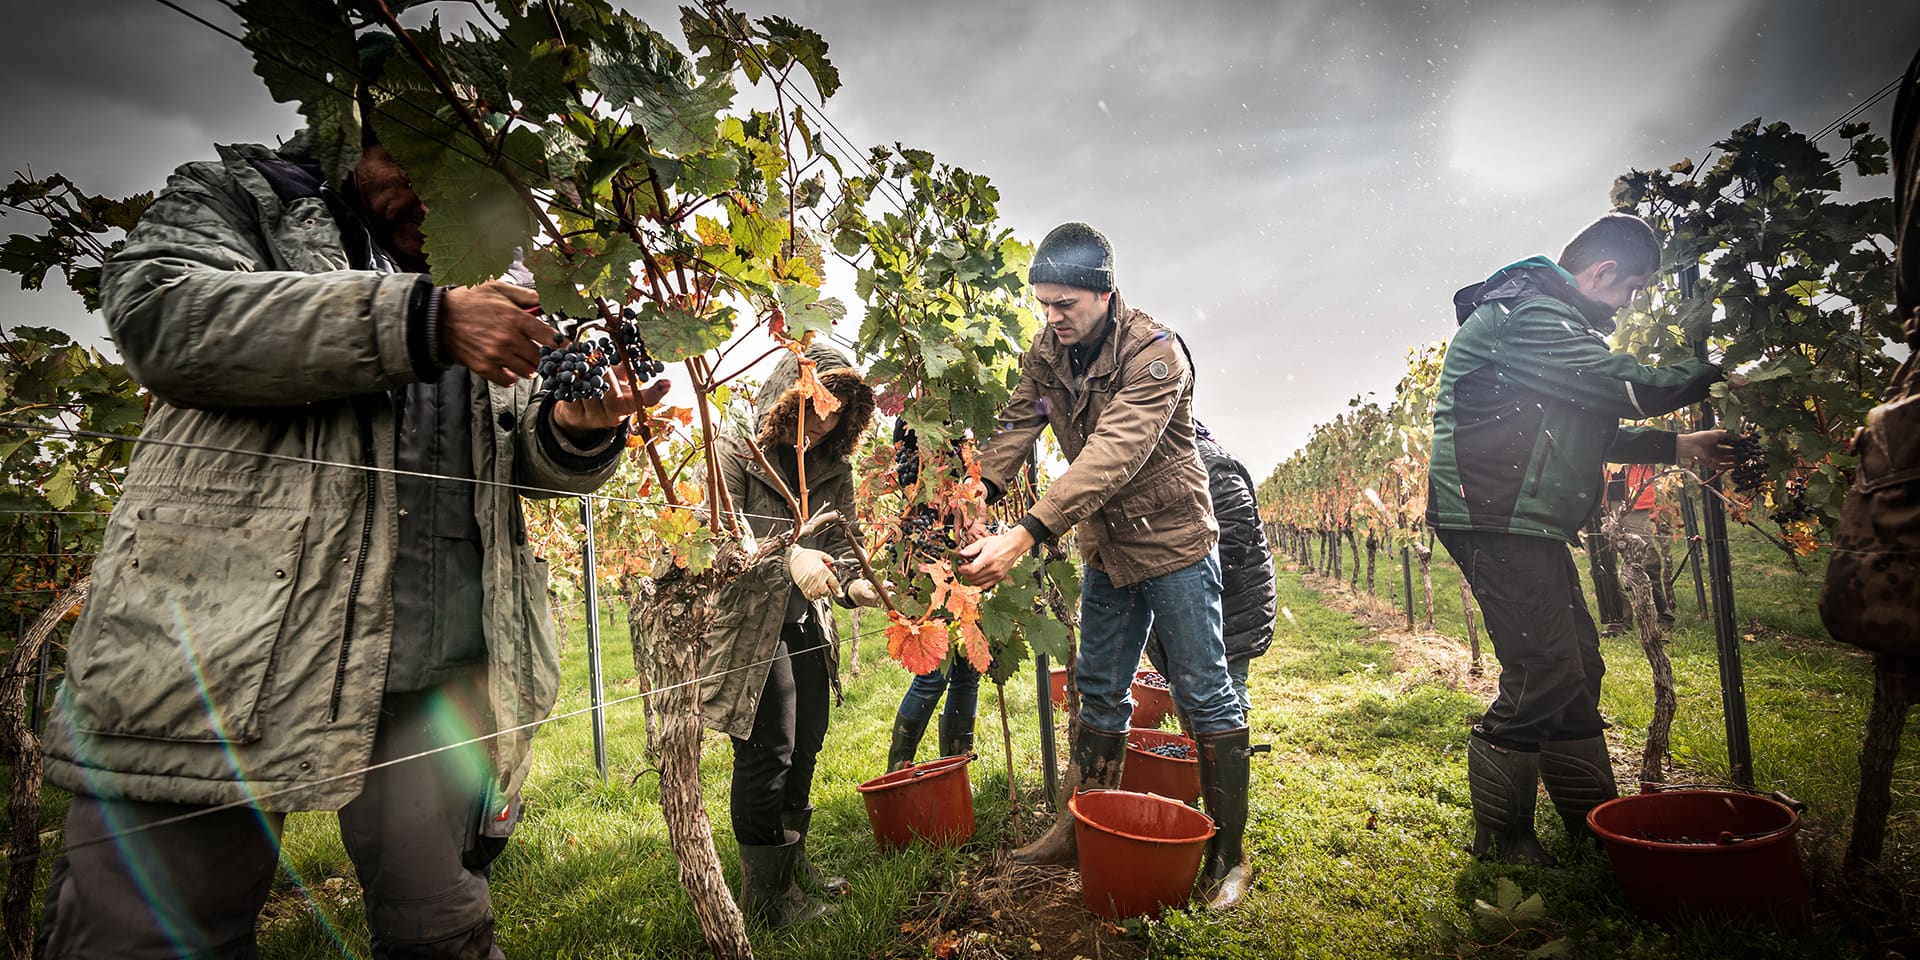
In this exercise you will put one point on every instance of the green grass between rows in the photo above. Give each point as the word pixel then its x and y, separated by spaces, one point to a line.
pixel 1358 814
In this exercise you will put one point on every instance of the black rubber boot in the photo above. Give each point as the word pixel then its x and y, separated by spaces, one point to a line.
pixel 906 740
pixel 1225 771
pixel 956 736
pixel 808 875
pixel 1504 784
pixel 1097 758
pixel 768 894
pixel 1579 777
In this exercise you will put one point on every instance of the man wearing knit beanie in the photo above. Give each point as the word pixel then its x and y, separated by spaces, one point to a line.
pixel 1117 389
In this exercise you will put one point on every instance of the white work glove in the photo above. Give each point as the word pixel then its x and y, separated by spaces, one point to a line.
pixel 812 572
pixel 863 593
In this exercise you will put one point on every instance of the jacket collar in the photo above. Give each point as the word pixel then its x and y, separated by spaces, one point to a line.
pixel 1528 279
pixel 1106 362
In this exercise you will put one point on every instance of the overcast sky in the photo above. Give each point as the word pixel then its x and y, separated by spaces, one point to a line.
pixel 1297 187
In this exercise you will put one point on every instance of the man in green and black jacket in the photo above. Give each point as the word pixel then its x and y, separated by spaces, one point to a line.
pixel 1528 414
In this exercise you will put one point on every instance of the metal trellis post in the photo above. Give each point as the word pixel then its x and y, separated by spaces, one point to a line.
pixel 1733 691
pixel 596 684
pixel 1043 680
pixel 1690 518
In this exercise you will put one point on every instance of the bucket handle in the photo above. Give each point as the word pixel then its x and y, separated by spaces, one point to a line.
pixel 1728 838
pixel 919 771
pixel 1777 796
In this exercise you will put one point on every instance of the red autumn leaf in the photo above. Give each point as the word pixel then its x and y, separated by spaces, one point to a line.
pixel 979 651
pixel 824 402
pixel 777 322
pixel 899 632
pixel 890 403
pixel 923 651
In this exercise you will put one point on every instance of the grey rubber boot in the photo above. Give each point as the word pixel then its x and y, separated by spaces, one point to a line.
pixel 808 875
pixel 956 736
pixel 1098 757
pixel 1225 772
pixel 1579 777
pixel 1504 784
pixel 768 894
pixel 906 740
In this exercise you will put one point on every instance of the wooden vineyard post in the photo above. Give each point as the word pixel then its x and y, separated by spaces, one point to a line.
pixel 1894 686
pixel 1406 574
pixel 1424 553
pixel 1373 548
pixel 1473 631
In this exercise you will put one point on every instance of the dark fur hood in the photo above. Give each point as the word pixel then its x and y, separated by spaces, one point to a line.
pixel 777 405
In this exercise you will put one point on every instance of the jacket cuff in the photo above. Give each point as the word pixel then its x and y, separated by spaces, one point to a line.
pixel 994 491
pixel 1039 530
pixel 578 458
pixel 1048 515
pixel 424 302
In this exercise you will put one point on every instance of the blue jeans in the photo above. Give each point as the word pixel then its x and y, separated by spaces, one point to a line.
pixel 960 682
pixel 1237 669
pixel 1184 608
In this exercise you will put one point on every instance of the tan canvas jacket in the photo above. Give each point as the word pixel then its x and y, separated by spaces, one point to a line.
pixel 1135 494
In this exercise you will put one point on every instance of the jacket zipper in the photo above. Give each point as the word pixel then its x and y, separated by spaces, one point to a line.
pixel 1538 471
pixel 359 566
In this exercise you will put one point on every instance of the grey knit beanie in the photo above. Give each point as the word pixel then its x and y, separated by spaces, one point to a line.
pixel 1076 255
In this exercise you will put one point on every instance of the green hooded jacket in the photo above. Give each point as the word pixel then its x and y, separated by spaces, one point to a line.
pixel 1530 403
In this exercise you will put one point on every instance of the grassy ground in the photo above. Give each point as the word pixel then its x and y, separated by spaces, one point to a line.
pixel 1358 813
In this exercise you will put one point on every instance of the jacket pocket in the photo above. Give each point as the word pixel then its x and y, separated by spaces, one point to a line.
pixel 182 645
pixel 542 659
pixel 1161 509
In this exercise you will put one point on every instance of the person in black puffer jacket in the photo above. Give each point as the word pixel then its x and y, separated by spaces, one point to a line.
pixel 1246 565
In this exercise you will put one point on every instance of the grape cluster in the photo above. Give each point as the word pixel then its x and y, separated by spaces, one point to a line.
pixel 1148 678
pixel 906 454
pixel 1794 506
pixel 1749 461
pixel 644 365
pixel 577 368
pixel 928 536
pixel 1172 751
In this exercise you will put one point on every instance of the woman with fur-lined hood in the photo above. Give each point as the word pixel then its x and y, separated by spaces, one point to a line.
pixel 773 650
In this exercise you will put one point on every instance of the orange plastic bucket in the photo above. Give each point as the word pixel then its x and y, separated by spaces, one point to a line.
pixel 932 801
pixel 1058 677
pixel 1151 704
pixel 1715 854
pixel 1139 853
pixel 1149 772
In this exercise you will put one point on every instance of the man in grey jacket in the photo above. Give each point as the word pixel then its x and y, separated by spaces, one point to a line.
pixel 318 566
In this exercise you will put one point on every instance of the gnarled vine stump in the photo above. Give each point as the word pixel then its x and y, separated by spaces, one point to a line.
pixel 21 748
pixel 668 618
pixel 1636 554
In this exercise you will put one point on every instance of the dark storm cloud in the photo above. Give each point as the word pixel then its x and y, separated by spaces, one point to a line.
pixel 1298 187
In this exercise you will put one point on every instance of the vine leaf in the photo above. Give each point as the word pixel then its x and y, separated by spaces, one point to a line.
pixel 919 647
pixel 476 222
pixel 789 42
pixel 675 334
pixel 638 69
pixel 304 51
